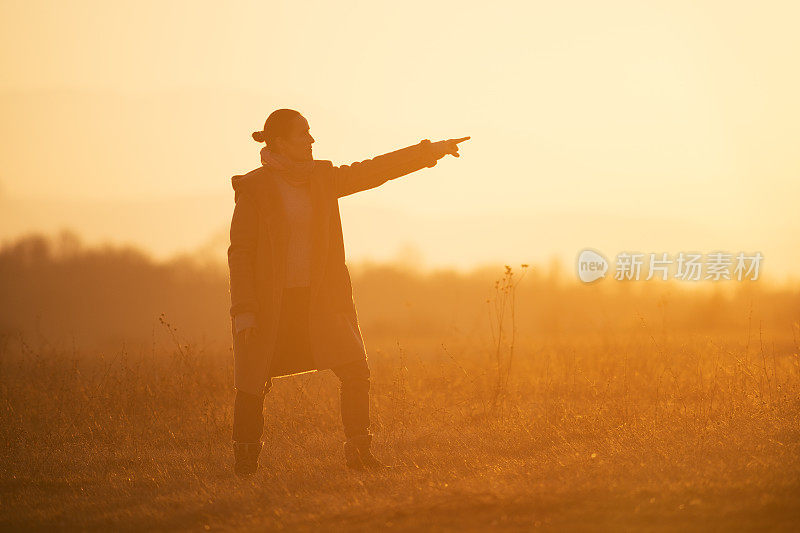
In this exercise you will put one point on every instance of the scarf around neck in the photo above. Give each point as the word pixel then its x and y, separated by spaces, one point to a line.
pixel 295 172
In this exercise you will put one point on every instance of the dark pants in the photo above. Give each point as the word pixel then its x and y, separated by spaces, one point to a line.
pixel 293 350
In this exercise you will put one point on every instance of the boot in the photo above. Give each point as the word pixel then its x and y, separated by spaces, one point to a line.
pixel 246 457
pixel 359 457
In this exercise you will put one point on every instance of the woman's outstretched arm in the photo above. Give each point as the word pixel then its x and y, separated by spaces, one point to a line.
pixel 370 173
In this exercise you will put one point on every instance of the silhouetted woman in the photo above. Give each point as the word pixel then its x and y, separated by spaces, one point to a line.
pixel 292 306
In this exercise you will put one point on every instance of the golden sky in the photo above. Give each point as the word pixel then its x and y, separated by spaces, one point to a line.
pixel 650 126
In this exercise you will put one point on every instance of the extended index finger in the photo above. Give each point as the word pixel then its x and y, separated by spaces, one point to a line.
pixel 460 140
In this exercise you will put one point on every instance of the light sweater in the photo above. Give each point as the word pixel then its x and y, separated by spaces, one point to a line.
pixel 297 204
pixel 298 207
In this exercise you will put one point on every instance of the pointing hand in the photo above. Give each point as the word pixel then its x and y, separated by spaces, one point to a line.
pixel 449 146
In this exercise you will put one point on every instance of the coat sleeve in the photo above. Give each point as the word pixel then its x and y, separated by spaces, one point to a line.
pixel 242 256
pixel 363 175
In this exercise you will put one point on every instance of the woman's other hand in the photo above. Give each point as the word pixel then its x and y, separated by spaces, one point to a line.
pixel 248 334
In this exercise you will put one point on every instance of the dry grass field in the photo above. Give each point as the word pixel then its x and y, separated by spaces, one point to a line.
pixel 525 404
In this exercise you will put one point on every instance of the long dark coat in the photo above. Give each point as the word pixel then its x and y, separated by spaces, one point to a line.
pixel 257 260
